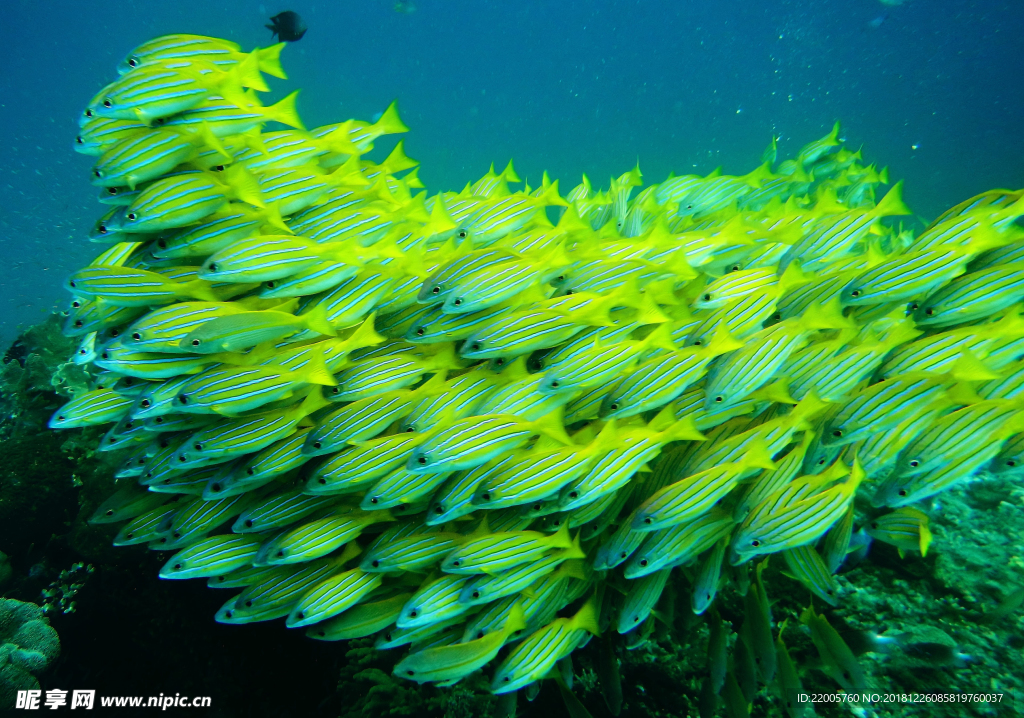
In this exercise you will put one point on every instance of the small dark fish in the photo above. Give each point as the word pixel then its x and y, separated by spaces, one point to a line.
pixel 288 26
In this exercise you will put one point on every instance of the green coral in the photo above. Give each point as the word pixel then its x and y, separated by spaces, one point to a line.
pixel 28 644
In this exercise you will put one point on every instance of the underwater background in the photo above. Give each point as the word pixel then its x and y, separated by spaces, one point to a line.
pixel 930 89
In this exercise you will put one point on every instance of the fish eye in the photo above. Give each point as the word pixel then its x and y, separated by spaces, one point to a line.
pixel 707 297
pixel 914 306
pixel 914 463
pixel 1011 462
pixel 79 323
pixel 560 278
pixel 161 243
pixel 554 384
pixel 218 168
pixel 101 228
pixel 248 523
pixel 837 433
pixel 463 233
pixel 213 267
pixel 643 562
pixel 270 285
pixel 475 346
pixel 115 332
pixel 413 613
pixel 456 562
pixel 159 420
pixel 375 563
pixel 71 283
pixel 437 509
pixel 697 342
pixel 457 302
pixel 79 140
pixel 107 103
pixel 568 292
pixel 112 191
pixel 719 399
pixel 131 216
pixel 76 304
pixel 197 446
pixel 374 500
pixel 137 337
pixel 321 480
pixel 183 398
pixel 145 403
pixel 88 113
pixel 132 62
pixel 614 407
pixel 929 311
pixel 435 290
pixel 902 492
pixel 252 472
pixel 318 444
pixel 422 461
pixel 104 355
pixel 177 566
pixel 734 268
pixel 499 362
pixel 755 543
pixel 97 173
pixel 420 332
pixel 855 293
pixel 195 342
pixel 647 520
pixel 486 496
pixel 574 494
pixel 300 615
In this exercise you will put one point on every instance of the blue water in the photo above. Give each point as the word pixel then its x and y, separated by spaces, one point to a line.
pixel 931 88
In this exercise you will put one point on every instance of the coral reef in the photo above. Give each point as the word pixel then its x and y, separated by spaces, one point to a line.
pixel 28 644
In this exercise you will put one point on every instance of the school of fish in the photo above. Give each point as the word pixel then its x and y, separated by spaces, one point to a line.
pixel 486 425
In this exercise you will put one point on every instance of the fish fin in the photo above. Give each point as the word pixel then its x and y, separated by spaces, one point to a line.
pixel 269 60
pixel 434 385
pixel 680 430
pixel 440 222
pixel 316 320
pixel 925 538
pixel 648 311
pixel 777 391
pixel 286 112
pixel 206 136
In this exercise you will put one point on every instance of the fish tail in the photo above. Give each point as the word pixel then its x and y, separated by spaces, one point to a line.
pixel 271 214
pixel 892 203
pixel 317 371
pixel 247 74
pixel 316 320
pixel 551 425
pixel 398 160
pixel 200 289
pixel 269 60
pixel 348 174
pixel 390 123
pixel 586 619
pixel 244 185
pixel 365 335
pixel 285 112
